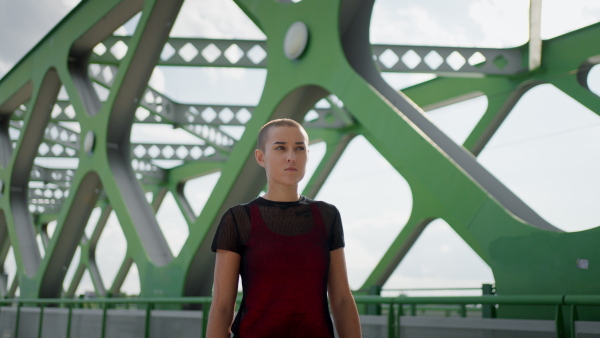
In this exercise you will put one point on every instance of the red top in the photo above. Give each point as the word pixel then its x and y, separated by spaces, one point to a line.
pixel 285 282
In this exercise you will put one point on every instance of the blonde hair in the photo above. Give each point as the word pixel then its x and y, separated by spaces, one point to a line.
pixel 263 133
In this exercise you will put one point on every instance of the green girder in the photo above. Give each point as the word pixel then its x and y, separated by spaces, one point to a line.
pixel 526 254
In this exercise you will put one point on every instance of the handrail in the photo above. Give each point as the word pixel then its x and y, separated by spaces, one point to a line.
pixel 565 326
pixel 428 289
pixel 491 299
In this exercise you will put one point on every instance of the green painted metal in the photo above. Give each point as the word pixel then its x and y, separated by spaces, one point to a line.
pixel 526 254
pixel 512 56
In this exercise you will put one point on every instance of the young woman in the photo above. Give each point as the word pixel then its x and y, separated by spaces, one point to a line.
pixel 289 251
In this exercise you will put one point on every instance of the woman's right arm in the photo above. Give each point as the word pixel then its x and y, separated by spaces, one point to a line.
pixel 227 267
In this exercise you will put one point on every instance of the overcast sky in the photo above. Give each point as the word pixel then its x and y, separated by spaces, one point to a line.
pixel 550 165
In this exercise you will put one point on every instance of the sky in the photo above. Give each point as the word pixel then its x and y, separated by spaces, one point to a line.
pixel 545 151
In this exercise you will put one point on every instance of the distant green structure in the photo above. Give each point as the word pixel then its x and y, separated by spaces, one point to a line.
pixel 315 49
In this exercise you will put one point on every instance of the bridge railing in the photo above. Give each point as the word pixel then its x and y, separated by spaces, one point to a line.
pixel 394 307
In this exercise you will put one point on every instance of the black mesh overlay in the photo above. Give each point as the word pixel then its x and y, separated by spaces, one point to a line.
pixel 284 218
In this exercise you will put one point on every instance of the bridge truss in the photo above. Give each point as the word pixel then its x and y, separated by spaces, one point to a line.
pixel 526 254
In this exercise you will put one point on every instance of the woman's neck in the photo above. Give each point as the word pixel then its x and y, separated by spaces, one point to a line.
pixel 282 195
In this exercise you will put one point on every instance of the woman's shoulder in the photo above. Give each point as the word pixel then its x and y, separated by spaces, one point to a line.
pixel 324 206
pixel 244 205
pixel 240 210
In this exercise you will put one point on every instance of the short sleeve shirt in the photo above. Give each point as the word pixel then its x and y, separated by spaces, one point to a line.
pixel 285 218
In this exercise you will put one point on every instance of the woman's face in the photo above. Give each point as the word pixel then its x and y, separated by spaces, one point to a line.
pixel 285 155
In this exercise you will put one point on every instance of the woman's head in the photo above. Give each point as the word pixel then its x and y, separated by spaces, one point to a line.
pixel 264 131
pixel 282 149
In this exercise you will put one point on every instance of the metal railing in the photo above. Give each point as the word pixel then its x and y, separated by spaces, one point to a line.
pixel 565 327
pixel 105 304
pixel 394 305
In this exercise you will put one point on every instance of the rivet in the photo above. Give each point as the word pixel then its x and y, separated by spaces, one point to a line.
pixel 89 142
pixel 295 40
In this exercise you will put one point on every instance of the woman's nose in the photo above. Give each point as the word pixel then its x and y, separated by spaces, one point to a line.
pixel 291 157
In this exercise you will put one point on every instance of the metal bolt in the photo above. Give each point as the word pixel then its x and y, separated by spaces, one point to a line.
pixel 295 40
pixel 89 142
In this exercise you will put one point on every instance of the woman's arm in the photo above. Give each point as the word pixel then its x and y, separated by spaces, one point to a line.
pixel 341 300
pixel 227 269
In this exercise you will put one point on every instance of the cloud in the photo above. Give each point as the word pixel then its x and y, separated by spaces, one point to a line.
pixel 397 281
pixel 111 249
pixel 157 80
pixel 28 22
pixel 413 25
pixel 360 260
pixel 131 284
pixel 387 219
pixel 503 23
pixel 70 3
pixel 214 19
pixel 559 17
pixel 4 68
pixel 172 224
pixel 198 190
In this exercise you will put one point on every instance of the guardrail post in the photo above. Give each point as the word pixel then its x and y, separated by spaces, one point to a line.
pixel 391 322
pixel 399 322
pixel 560 325
pixel 205 311
pixel 413 309
pixel 462 310
pixel 565 322
pixel 149 307
pixel 572 318
pixel 17 317
pixel 374 309
pixel 69 317
pixel 103 327
pixel 41 321
pixel 488 310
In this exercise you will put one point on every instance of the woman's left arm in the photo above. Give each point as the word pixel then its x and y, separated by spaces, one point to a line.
pixel 341 300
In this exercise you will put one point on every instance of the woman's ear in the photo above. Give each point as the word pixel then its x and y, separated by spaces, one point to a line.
pixel 260 157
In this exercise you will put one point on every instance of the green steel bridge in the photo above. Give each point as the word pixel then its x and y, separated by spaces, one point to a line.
pixel 314 50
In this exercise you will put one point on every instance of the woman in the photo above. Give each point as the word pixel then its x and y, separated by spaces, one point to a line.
pixel 288 250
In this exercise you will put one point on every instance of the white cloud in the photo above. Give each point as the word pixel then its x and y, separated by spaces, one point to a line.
pixel 214 19
pixel 503 23
pixel 413 25
pixel 110 250
pixel 400 81
pixel 4 68
pixel 440 258
pixel 28 22
pixel 388 218
pixel 198 190
pixel 360 260
pixel 70 3
pixel 172 224
pixel 131 284
pixel 360 256
pixel 560 17
pixel 411 282
pixel 157 80
pixel 85 285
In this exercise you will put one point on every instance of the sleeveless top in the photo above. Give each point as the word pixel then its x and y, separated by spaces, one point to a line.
pixel 284 277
